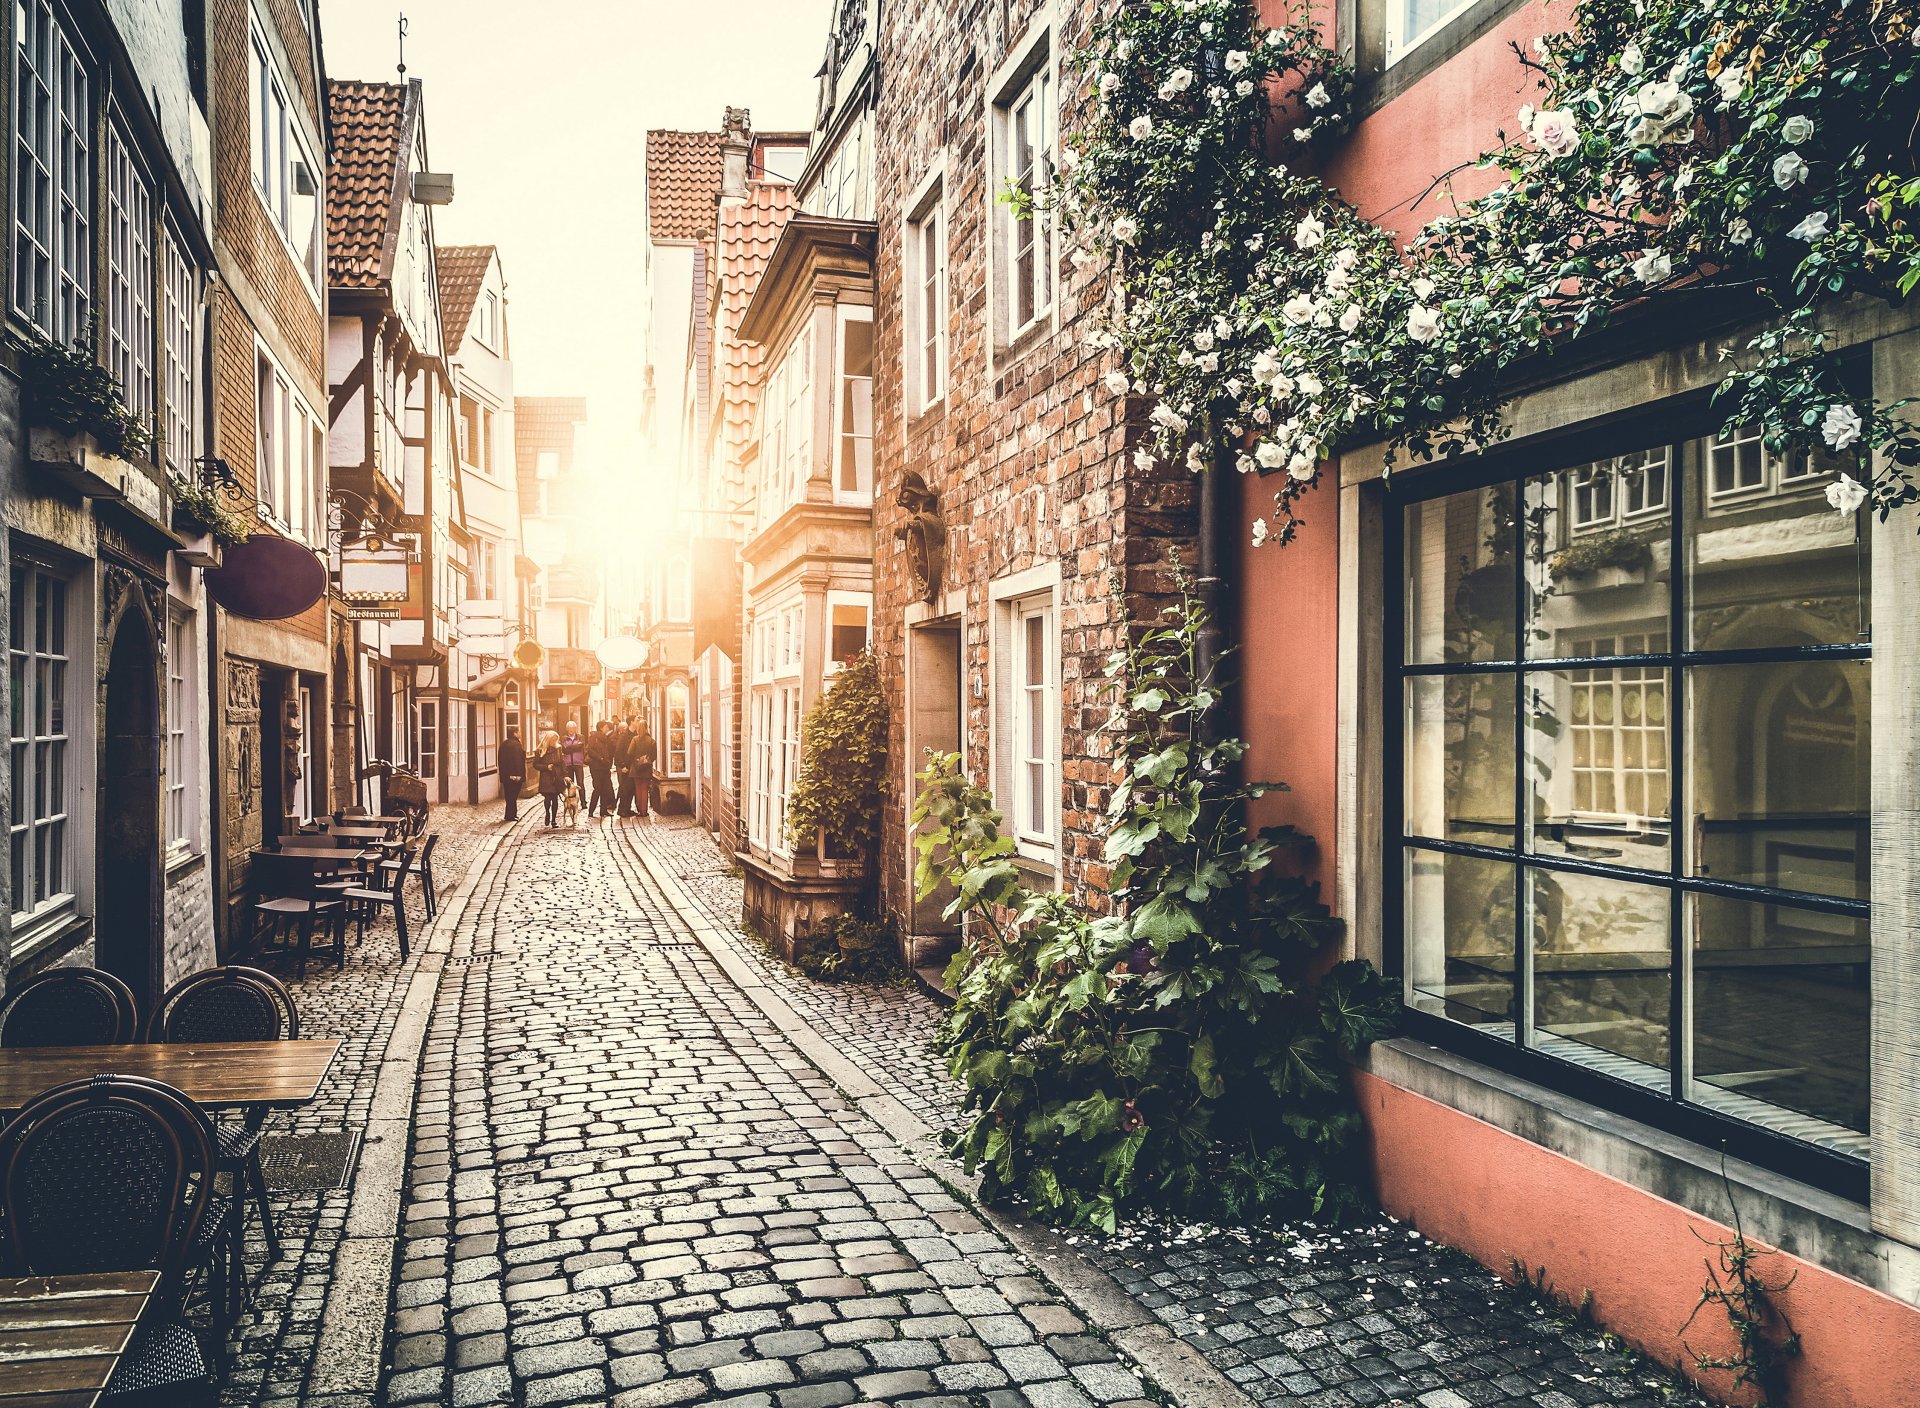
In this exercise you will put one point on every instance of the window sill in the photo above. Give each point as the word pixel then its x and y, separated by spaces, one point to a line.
pixel 46 940
pixel 183 862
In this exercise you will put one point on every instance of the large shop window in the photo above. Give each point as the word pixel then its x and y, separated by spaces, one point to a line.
pixel 678 701
pixel 37 658
pixel 1635 776
pixel 53 176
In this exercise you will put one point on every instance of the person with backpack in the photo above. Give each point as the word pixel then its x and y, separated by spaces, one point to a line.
pixel 551 765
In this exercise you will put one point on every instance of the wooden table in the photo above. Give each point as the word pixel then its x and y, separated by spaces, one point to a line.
pixel 225 1074
pixel 340 855
pixel 61 1336
pixel 359 833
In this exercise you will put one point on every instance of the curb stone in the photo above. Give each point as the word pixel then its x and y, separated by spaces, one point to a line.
pixel 1181 1372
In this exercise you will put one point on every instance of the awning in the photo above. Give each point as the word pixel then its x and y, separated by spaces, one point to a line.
pixel 489 683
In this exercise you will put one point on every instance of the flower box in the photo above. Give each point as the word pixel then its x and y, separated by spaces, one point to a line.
pixel 77 460
pixel 198 547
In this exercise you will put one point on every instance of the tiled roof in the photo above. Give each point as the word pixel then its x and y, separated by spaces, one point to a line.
pixel 463 271
pixel 369 135
pixel 683 178
pixel 748 232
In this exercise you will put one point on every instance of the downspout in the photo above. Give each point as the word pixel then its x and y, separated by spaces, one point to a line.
pixel 1213 583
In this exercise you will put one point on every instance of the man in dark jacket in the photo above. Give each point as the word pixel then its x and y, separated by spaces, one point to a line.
pixel 513 771
pixel 600 764
pixel 623 766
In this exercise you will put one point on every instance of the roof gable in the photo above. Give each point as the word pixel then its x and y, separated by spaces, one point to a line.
pixel 373 125
pixel 462 270
pixel 683 182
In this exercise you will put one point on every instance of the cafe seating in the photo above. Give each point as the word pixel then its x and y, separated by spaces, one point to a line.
pixel 288 900
pixel 69 1007
pixel 423 867
pixel 115 1174
pixel 364 899
pixel 233 1003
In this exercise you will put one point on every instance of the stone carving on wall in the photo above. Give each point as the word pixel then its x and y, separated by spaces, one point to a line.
pixel 924 536
pixel 117 583
pixel 291 732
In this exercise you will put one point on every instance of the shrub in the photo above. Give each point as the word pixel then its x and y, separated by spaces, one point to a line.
pixel 65 387
pixel 843 764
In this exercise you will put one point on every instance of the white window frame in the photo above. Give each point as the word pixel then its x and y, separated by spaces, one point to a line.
pixel 129 322
pixel 863 600
pixel 53 159
pixel 1400 43
pixel 1033 595
pixel 678 698
pixel 308 696
pixel 277 143
pixel 426 738
pixel 1779 474
pixel 28 656
pixel 290 456
pixel 924 299
pixel 786 427
pixel 846 439
pixel 1026 85
pixel 180 361
pixel 182 838
pixel 1614 479
pixel 486 739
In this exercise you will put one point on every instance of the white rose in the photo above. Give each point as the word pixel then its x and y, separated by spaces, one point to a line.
pixel 1203 340
pixel 1143 459
pixel 1167 418
pixel 1309 384
pixel 1244 463
pixel 1180 80
pixel 1423 323
pixel 1318 96
pixel 1526 115
pixel 1652 267
pixel 1259 532
pixel 1846 494
pixel 1556 133
pixel 1298 309
pixel 1244 87
pixel 1797 129
pixel 1125 229
pixel 1789 171
pixel 1309 233
pixel 1109 84
pixel 1196 457
pixel 1841 429
pixel 1281 385
pixel 1732 82
pixel 1346 257
pixel 1632 61
pixel 1223 327
pixel 1269 455
pixel 1813 227
pixel 1140 128
pixel 1303 134
pixel 1117 383
pixel 1266 367
pixel 1210 363
pixel 1739 231
pixel 1236 60
pixel 1350 317
pixel 1301 466
pixel 1667 113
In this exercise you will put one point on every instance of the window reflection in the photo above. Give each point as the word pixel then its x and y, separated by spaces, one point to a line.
pixel 1460 939
pixel 1460 756
pixel 1599 782
pixel 1602 974
pixel 1460 577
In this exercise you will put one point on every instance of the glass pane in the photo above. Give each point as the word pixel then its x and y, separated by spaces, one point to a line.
pixel 1036 633
pixel 1780 1018
pixel 1598 781
pixel 1599 541
pixel 1777 567
pixel 1459 939
pixel 1602 974
pixel 1780 775
pixel 1460 755
pixel 1460 577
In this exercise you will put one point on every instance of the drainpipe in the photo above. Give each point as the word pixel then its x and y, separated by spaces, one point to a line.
pixel 1213 582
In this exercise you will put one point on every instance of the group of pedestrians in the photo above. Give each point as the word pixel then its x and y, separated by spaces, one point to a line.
pixel 618 758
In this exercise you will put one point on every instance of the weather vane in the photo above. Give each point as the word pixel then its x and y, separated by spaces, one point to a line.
pixel 403 43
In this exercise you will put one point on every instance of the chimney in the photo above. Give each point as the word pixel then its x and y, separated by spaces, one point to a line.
pixel 736 144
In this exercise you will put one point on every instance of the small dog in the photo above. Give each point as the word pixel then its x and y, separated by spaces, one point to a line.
pixel 570 803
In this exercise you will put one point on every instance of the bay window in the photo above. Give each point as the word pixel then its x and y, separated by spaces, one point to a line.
pixel 853 407
pixel 53 175
pixel 786 429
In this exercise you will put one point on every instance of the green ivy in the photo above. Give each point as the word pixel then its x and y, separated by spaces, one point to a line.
pixel 1171 1054
pixel 843 765
pixel 65 387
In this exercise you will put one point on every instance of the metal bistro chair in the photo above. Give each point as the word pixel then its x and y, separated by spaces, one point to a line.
pixel 287 896
pixel 114 1174
pixel 366 898
pixel 423 867
pixel 69 1007
pixel 233 1004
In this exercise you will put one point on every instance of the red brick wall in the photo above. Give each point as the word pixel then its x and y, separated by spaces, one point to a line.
pixel 1030 466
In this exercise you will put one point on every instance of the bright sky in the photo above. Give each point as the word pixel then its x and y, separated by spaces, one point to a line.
pixel 540 111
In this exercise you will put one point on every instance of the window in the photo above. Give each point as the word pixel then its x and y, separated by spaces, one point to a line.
pixel 1411 22
pixel 786 429
pixel 285 175
pixel 679 590
pixel 1633 816
pixel 510 711
pixel 1023 152
pixel 848 619
pixel 428 758
pixel 1030 749
pixel 1743 466
pixel 486 320
pixel 926 302
pixel 311 795
pixel 129 276
pixel 841 191
pixel 486 739
pixel 182 813
pixel 52 179
pixel 42 783
pixel 291 464
pixel 774 743
pixel 676 734
pixel 456 738
pixel 782 162
pixel 179 316
pixel 853 410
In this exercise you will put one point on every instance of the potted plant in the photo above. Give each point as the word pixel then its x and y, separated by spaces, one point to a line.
pixel 1611 559
pixel 78 426
pixel 203 517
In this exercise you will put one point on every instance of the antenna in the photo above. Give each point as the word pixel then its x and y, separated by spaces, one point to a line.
pixel 403 43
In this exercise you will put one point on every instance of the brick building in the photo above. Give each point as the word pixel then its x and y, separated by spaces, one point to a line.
pixel 1004 500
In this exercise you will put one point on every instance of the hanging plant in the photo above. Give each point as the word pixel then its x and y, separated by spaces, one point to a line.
pixel 63 386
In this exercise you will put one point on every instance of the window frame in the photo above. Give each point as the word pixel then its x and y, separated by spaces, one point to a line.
pixel 1037 838
pixel 129 328
pixel 272 131
pixel 924 226
pixel 290 455
pixel 30 748
pixel 1031 65
pixel 677 696
pixel 179 355
pixel 62 243
pixel 181 840
pixel 845 315
pixel 426 738
pixel 1689 498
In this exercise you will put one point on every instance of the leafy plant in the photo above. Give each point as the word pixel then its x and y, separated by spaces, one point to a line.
pixel 1584 556
pixel 65 387
pixel 858 950
pixel 203 502
pixel 1764 1339
pixel 843 764
pixel 1172 1054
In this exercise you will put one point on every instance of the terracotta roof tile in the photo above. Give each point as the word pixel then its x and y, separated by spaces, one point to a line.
pixel 463 271
pixel 747 234
pixel 683 178
pixel 369 121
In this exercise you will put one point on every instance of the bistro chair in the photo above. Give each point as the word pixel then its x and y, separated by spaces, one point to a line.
pixel 114 1174
pixel 288 899
pixel 423 867
pixel 366 898
pixel 233 1004
pixel 69 1007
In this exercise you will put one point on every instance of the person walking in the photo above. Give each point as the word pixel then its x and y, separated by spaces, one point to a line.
pixel 551 764
pixel 513 771
pixel 600 764
pixel 573 752
pixel 623 766
pixel 643 752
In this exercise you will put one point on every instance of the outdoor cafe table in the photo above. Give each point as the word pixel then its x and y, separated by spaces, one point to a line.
pixel 358 833
pixel 61 1336
pixel 217 1074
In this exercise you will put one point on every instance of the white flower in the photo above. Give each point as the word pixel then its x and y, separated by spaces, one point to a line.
pixel 1533 252
pixel 1222 327
pixel 1109 84
pixel 1789 171
pixel 1666 114
pixel 1266 367
pixel 1303 134
pixel 1423 323
pixel 1269 455
pixel 1632 61
pixel 1143 459
pixel 1350 317
pixel 1259 532
pixel 1280 385
pixel 1167 418
pixel 1556 133
pixel 1123 50
pixel 1797 129
pixel 1318 96
pixel 1298 309
pixel 1196 457
pixel 1125 229
pixel 1652 267
pixel 1236 60
pixel 1069 159
pixel 1203 340
pixel 1117 383
pixel 1423 289
pixel 1683 178
pixel 1812 227
pixel 1846 494
pixel 1140 128
pixel 1841 429
pixel 1210 363
pixel 1301 466
pixel 1309 384
pixel 1275 38
pixel 1083 260
pixel 1244 463
pixel 1308 233
pixel 1180 80
pixel 1739 231
pixel 1244 87
pixel 1455 370
pixel 1732 82
pixel 1346 257
pixel 1526 116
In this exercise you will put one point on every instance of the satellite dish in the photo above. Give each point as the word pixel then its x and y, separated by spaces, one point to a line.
pixel 618 653
pixel 529 654
pixel 268 578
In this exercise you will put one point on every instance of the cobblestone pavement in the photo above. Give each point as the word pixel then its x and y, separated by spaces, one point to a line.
pixel 1370 1316
pixel 272 1349
pixel 628 1187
